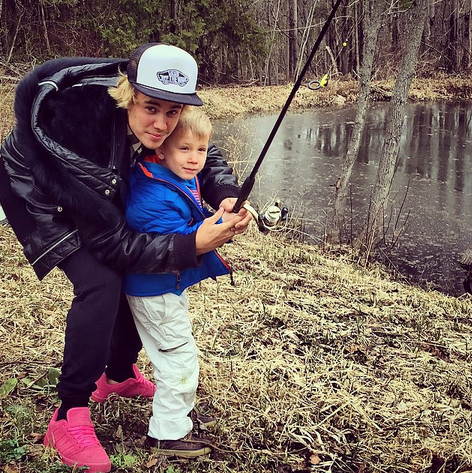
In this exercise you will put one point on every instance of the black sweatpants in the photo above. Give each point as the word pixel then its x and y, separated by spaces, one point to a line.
pixel 100 330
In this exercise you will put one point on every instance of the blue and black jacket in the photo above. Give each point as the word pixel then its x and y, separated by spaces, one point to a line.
pixel 161 202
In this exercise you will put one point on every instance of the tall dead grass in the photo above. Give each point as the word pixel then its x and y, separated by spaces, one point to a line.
pixel 232 101
pixel 310 363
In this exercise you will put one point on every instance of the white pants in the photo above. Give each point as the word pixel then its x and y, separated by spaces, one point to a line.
pixel 165 330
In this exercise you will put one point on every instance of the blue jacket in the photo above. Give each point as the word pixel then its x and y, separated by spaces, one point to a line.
pixel 161 202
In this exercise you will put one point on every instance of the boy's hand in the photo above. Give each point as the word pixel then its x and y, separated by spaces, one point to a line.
pixel 240 226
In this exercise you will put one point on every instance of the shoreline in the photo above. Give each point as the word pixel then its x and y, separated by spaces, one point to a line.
pixel 231 101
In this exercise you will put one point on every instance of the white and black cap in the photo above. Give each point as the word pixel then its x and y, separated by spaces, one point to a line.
pixel 164 72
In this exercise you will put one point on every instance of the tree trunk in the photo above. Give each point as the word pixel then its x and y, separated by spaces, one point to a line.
pixel 45 28
pixel 371 26
pixel 370 236
pixel 469 35
pixel 305 38
pixel 293 39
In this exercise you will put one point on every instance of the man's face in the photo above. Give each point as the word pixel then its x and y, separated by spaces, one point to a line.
pixel 153 120
pixel 184 153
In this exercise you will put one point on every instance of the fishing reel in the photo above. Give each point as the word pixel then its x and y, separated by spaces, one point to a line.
pixel 272 219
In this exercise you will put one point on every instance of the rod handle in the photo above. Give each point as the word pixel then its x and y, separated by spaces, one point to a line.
pixel 246 189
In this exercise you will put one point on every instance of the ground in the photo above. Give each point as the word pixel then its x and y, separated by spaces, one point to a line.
pixel 311 362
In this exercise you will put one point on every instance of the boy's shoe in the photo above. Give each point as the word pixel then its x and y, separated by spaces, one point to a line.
pixel 202 421
pixel 132 387
pixel 75 441
pixel 190 446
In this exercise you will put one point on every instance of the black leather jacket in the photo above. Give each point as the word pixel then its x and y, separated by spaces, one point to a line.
pixel 66 163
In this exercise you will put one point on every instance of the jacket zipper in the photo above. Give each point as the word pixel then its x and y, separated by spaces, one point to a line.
pixel 177 275
pixel 112 165
pixel 54 246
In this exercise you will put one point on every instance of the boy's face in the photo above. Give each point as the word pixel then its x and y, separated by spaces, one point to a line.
pixel 153 120
pixel 184 154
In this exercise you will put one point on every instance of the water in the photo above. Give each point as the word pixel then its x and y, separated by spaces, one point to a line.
pixel 431 192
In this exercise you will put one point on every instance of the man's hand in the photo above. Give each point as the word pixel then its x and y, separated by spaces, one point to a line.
pixel 211 234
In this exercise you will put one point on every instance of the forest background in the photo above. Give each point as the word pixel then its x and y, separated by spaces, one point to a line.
pixel 236 41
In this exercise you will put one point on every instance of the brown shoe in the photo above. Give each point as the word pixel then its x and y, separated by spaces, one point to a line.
pixel 202 421
pixel 188 447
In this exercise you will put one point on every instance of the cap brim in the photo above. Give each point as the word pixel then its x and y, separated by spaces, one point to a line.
pixel 186 99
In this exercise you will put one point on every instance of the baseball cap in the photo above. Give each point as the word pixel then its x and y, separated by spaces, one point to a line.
pixel 164 72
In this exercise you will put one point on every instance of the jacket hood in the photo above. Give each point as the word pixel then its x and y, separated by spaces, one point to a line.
pixel 65 120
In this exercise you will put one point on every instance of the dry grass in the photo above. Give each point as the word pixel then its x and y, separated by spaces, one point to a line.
pixel 225 102
pixel 310 362
pixel 231 101
pixel 6 109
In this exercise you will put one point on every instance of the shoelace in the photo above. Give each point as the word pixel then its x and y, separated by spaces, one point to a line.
pixel 84 435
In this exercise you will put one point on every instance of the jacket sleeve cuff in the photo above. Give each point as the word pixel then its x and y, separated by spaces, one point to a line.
pixel 222 192
pixel 185 251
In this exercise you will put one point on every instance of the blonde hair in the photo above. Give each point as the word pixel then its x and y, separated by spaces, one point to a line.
pixel 123 92
pixel 195 120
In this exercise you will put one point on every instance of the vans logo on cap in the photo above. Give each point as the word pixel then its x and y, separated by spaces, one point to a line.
pixel 172 77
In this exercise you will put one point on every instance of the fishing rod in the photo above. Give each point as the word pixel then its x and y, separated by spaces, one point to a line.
pixel 248 184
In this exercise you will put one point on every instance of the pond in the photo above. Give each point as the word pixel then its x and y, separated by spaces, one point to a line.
pixel 431 193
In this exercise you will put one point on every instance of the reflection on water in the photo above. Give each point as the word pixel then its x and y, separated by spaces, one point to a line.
pixel 432 185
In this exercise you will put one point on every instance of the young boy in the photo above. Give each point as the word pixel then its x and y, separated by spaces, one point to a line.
pixel 165 198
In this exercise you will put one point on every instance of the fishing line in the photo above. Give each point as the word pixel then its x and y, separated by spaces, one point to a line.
pixel 323 82
pixel 250 180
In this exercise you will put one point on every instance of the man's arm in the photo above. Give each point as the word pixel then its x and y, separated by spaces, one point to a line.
pixel 115 243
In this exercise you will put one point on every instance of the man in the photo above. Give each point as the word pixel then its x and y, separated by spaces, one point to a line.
pixel 62 186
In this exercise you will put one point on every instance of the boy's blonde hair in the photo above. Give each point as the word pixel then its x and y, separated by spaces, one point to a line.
pixel 196 120
pixel 124 93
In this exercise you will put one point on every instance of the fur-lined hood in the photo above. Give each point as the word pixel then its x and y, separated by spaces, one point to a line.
pixel 66 131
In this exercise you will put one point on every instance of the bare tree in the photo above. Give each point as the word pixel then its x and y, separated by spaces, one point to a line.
pixel 293 39
pixel 370 235
pixel 469 35
pixel 372 10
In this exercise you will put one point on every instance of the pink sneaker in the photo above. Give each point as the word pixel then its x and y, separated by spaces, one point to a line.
pixel 132 387
pixel 75 441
